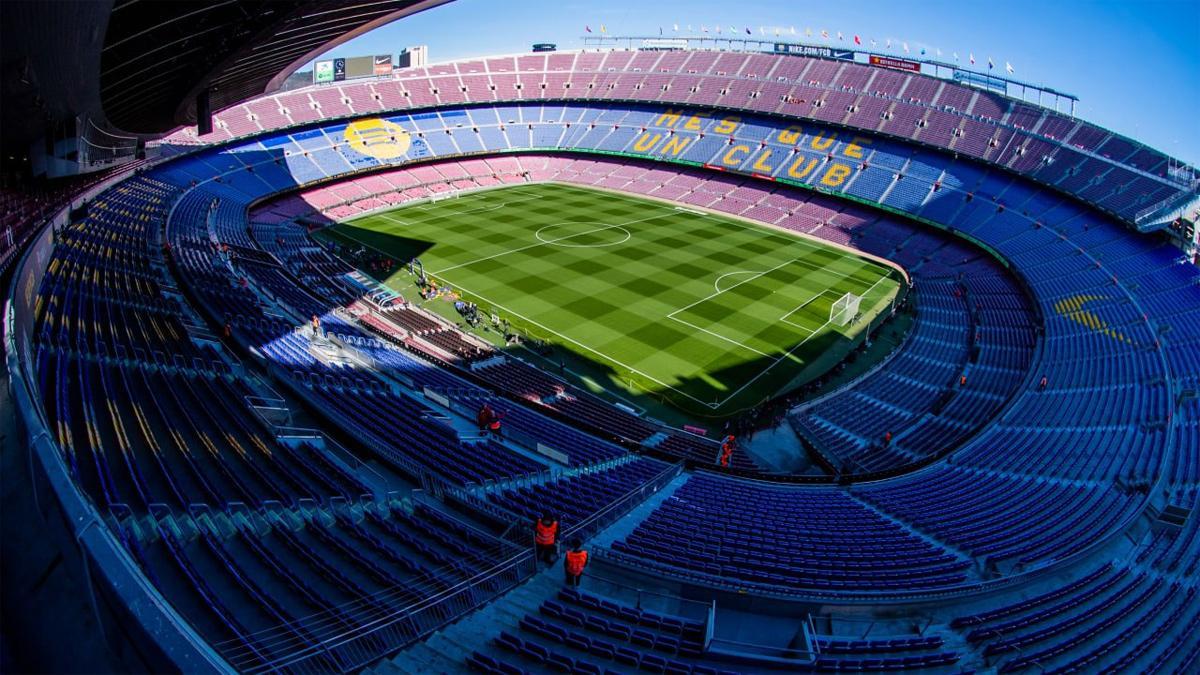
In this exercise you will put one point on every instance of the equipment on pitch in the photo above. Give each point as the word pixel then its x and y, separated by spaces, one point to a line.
pixel 844 309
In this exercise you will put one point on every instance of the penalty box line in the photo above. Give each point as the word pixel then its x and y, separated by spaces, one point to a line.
pixel 583 346
pixel 789 352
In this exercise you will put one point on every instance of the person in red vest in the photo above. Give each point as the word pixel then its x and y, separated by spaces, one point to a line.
pixel 726 450
pixel 484 418
pixel 494 424
pixel 545 538
pixel 574 562
pixel 887 438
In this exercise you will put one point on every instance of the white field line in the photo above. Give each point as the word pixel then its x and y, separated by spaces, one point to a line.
pixel 792 235
pixel 581 345
pixel 721 337
pixel 716 405
pixel 717 281
pixel 387 215
pixel 789 352
pixel 710 296
pixel 784 318
pixel 546 242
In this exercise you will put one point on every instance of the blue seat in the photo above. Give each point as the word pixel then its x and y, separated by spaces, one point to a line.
pixel 535 651
pixel 653 663
pixel 562 664
pixel 628 656
pixel 509 642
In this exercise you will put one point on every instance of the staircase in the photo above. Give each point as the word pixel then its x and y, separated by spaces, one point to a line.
pixel 446 651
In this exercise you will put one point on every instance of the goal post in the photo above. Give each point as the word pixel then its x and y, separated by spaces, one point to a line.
pixel 844 309
pixel 445 194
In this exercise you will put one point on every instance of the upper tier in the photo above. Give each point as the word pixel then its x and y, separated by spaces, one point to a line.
pixel 1115 173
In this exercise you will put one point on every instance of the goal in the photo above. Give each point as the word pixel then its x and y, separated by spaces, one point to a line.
pixel 844 309
pixel 447 194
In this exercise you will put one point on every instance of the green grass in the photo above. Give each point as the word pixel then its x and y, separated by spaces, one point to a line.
pixel 707 312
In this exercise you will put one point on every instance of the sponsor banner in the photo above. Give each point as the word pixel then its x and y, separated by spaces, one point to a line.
pixel 814 50
pixel 896 64
pixel 360 66
pixel 323 71
pixel 383 64
pixel 339 70
pixel 664 43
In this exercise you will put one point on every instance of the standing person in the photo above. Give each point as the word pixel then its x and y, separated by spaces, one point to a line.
pixel 726 450
pixel 484 418
pixel 316 325
pixel 545 536
pixel 574 562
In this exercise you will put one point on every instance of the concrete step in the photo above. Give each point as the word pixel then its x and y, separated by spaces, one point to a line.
pixel 627 523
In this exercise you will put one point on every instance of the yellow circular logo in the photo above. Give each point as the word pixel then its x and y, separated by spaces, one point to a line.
pixel 378 138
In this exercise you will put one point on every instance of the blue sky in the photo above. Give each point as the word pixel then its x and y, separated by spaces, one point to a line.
pixel 1134 65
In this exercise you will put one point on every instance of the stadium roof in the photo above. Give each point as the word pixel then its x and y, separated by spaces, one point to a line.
pixel 137 65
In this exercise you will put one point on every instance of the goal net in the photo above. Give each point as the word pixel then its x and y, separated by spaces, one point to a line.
pixel 447 194
pixel 844 309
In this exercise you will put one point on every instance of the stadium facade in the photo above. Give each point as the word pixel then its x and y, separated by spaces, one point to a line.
pixel 267 463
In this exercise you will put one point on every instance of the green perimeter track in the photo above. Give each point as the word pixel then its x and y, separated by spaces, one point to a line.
pixel 709 313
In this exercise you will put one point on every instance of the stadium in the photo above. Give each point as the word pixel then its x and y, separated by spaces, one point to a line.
pixel 712 353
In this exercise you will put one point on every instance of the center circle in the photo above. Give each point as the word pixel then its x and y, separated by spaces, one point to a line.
pixel 573 235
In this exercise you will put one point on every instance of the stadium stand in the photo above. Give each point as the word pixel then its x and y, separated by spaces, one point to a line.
pixel 286 454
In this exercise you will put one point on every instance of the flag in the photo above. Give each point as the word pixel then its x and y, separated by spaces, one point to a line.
pixel 792 30
pixel 990 64
pixel 1009 68
pixel 939 52
pixel 840 35
pixel 718 29
pixel 748 31
pixel 857 40
pixel 874 43
pixel 603 29
pixel 904 44
pixel 922 51
pixel 889 43
pixel 703 29
pixel 776 31
pixel 808 32
pixel 732 30
pixel 824 34
pixel 588 28
pixel 971 58
pixel 675 28
pixel 956 56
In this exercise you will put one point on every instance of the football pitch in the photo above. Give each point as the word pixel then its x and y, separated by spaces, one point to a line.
pixel 707 312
